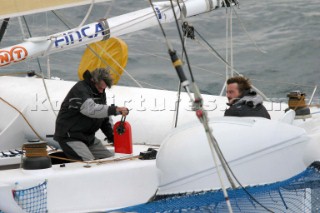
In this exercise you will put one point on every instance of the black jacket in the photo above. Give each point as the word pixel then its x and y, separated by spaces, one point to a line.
pixel 249 105
pixel 72 124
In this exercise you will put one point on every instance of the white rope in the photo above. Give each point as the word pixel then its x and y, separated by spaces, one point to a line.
pixel 87 15
pixel 227 43
pixel 48 67
pixel 109 9
pixel 231 42
pixel 21 28
pixel 151 85
pixel 314 91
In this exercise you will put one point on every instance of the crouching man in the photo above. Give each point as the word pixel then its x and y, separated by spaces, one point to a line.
pixel 83 112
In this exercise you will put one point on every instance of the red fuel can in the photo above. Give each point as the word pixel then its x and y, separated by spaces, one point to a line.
pixel 122 137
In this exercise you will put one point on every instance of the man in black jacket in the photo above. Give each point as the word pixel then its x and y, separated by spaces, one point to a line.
pixel 83 112
pixel 243 100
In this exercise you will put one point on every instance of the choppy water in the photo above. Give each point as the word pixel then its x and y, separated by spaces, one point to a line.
pixel 288 30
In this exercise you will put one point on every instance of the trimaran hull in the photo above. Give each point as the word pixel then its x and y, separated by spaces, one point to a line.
pixel 254 147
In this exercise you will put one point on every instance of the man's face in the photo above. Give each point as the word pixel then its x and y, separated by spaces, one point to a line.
pixel 232 92
pixel 101 86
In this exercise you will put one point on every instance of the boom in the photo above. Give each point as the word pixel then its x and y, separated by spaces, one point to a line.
pixel 103 29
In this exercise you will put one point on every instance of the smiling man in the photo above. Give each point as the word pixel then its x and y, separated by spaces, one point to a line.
pixel 243 100
pixel 83 112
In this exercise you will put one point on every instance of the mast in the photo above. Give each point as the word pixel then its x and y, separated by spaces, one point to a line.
pixel 103 29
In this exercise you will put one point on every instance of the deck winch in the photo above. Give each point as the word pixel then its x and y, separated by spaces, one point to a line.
pixel 297 103
pixel 35 156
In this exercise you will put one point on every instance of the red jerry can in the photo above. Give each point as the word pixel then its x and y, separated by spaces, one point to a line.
pixel 122 137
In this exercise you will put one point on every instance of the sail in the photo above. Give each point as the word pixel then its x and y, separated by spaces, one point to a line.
pixel 14 8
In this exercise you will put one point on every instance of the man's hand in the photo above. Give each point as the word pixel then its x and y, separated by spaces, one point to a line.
pixel 123 111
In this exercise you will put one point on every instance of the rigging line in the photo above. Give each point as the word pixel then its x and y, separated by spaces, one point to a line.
pixel 109 9
pixel 98 56
pixel 21 27
pixel 180 36
pixel 184 37
pixel 246 191
pixel 214 51
pixel 152 85
pixel 87 15
pixel 219 57
pixel 61 18
pixel 203 118
pixel 41 72
pixel 29 32
pixel 231 40
pixel 26 120
pixel 227 47
pixel 217 147
pixel 165 58
pixel 247 33
pixel 312 95
pixel 3 28
pixel 110 56
pixel 212 144
pixel 169 46
pixel 176 62
pixel 176 112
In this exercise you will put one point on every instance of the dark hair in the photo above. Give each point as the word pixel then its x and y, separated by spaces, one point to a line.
pixel 102 74
pixel 243 82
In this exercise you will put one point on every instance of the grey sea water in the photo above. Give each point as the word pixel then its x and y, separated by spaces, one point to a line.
pixel 287 30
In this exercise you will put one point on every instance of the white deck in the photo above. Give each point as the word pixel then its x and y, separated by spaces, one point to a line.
pixel 75 188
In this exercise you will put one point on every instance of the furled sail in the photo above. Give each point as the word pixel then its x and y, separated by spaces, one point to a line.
pixel 14 8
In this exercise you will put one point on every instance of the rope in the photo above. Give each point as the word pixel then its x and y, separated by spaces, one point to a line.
pixel 197 102
pixel 104 51
pixel 218 56
pixel 35 132
pixel 26 120
pixel 66 159
pixel 98 56
pixel 98 162
pixel 246 32
pixel 165 58
pixel 109 9
pixel 87 15
pixel 42 75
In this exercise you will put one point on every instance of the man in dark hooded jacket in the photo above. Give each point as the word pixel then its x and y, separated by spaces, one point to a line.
pixel 243 100
pixel 83 112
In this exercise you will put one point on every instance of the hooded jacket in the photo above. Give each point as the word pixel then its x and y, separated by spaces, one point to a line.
pixel 248 105
pixel 83 112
